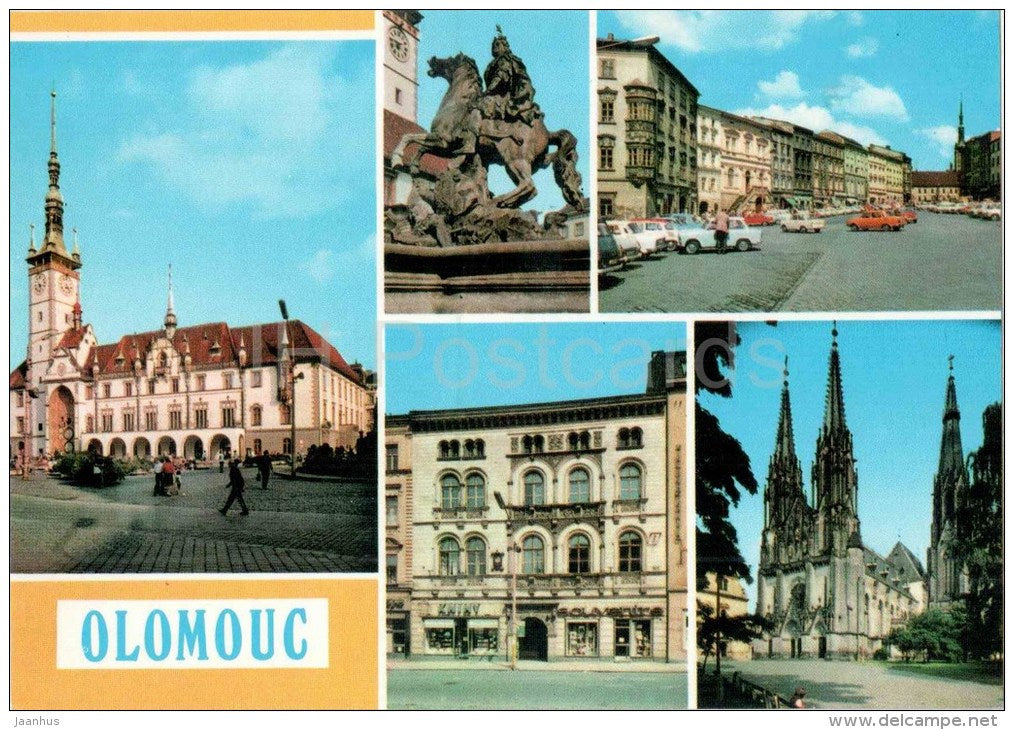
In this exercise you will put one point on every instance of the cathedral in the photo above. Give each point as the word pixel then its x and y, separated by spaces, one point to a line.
pixel 196 391
pixel 827 594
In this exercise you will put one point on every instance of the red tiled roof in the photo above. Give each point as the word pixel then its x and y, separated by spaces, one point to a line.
pixel 935 179
pixel 72 338
pixel 395 128
pixel 18 376
pixel 308 343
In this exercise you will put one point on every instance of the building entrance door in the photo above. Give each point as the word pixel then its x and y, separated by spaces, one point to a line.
pixel 621 640
pixel 535 643
pixel 822 647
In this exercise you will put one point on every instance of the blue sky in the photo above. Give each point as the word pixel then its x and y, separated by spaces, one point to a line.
pixel 468 365
pixel 242 163
pixel 554 48
pixel 891 77
pixel 894 377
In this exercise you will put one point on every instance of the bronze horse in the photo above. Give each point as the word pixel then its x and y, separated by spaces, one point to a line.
pixel 459 131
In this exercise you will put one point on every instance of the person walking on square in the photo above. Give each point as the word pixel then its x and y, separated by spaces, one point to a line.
pixel 236 485
pixel 797 702
pixel 264 468
pixel 721 230
pixel 168 476
pixel 157 469
pixel 221 462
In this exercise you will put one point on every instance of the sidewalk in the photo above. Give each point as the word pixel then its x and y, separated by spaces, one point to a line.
pixel 562 665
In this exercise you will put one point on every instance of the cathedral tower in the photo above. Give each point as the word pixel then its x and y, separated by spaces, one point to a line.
pixel 950 481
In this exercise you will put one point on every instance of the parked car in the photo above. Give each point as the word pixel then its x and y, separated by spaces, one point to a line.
pixel 758 219
pixel 625 239
pixel 876 220
pixel 801 223
pixel 611 258
pixel 741 237
pixel 667 236
pixel 650 241
pixel 910 216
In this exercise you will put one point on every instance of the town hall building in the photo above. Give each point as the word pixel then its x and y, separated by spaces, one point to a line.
pixel 194 391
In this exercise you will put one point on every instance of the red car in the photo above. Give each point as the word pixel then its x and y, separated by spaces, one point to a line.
pixel 908 215
pixel 758 219
pixel 876 221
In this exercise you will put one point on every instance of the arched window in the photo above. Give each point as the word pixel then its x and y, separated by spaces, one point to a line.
pixel 538 444
pixel 533 555
pixel 535 488
pixel 584 441
pixel 450 553
pixel 635 438
pixel 286 445
pixel 450 492
pixel 475 553
pixel 580 487
pixel 255 416
pixel 572 440
pixel 475 491
pixel 526 444
pixel 469 448
pixel 455 450
pixel 579 554
pixel 163 359
pixel 480 448
pixel 630 481
pixel 445 450
pixel 623 441
pixel 630 552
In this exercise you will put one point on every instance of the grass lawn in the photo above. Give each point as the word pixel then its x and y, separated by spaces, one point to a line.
pixel 971 672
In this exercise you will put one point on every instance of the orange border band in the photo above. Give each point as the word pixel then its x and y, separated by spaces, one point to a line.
pixel 188 21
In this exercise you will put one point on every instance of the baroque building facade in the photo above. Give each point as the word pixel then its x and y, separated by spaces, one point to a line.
pixel 826 592
pixel 193 391
pixel 746 164
pixel 560 523
pixel 647 132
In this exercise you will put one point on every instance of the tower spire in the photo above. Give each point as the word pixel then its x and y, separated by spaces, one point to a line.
pixel 53 240
pixel 834 402
pixel 785 446
pixel 951 455
pixel 170 311
pixel 961 120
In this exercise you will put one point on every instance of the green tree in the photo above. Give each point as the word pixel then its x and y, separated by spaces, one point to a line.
pixel 934 635
pixel 712 630
pixel 723 468
pixel 979 544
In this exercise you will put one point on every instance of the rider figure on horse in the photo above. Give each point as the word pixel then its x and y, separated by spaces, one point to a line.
pixel 509 94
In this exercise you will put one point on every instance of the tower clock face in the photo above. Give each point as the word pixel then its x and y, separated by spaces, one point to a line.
pixel 398 43
pixel 39 283
pixel 66 285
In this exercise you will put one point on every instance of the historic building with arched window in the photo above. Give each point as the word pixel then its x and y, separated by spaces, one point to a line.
pixel 573 512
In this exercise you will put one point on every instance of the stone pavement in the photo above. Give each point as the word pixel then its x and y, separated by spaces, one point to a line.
pixel 943 262
pixel 845 685
pixel 294 526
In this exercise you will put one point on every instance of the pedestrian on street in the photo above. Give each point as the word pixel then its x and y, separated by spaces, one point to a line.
pixel 236 485
pixel 796 703
pixel 157 468
pixel 264 468
pixel 721 230
pixel 221 462
pixel 168 476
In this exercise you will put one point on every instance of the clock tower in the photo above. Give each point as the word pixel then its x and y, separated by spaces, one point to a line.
pixel 401 63
pixel 53 279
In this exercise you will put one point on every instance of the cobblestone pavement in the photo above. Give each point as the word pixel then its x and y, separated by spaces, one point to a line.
pixel 294 526
pixel 865 685
pixel 534 689
pixel 943 262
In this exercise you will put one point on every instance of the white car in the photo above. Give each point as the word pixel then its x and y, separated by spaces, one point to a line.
pixel 625 239
pixel 650 236
pixel 741 237
pixel 803 224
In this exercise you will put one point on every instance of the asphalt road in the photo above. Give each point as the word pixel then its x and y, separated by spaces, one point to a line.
pixel 941 263
pixel 503 689
pixel 294 526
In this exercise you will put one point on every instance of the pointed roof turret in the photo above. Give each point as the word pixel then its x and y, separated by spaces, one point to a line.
pixel 834 401
pixel 961 120
pixel 785 446
pixel 52 240
pixel 951 456
pixel 31 240
pixel 170 310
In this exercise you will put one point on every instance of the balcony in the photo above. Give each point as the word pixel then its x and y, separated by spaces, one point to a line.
pixel 556 513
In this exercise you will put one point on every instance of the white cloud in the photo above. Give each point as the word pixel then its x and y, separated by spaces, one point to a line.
pixel 864 48
pixel 697 31
pixel 855 95
pixel 320 266
pixel 267 134
pixel 784 86
pixel 816 118
pixel 854 18
pixel 944 136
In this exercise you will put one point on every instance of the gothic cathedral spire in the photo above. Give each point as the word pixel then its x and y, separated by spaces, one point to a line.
pixel 961 121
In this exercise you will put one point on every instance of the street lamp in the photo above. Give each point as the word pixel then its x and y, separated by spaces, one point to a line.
pixel 293 377
pixel 513 549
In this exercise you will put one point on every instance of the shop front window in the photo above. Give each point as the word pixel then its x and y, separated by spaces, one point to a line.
pixel 440 639
pixel 632 638
pixel 582 639
pixel 482 636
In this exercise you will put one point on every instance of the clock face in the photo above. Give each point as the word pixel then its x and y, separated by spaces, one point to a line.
pixel 66 285
pixel 398 43
pixel 39 283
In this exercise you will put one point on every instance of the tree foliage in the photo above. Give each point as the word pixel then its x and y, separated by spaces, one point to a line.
pixel 932 636
pixel 723 468
pixel 91 470
pixel 979 544
pixel 711 629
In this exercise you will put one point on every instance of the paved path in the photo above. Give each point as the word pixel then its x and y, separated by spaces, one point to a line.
pixel 943 262
pixel 304 526
pixel 465 688
pixel 865 685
